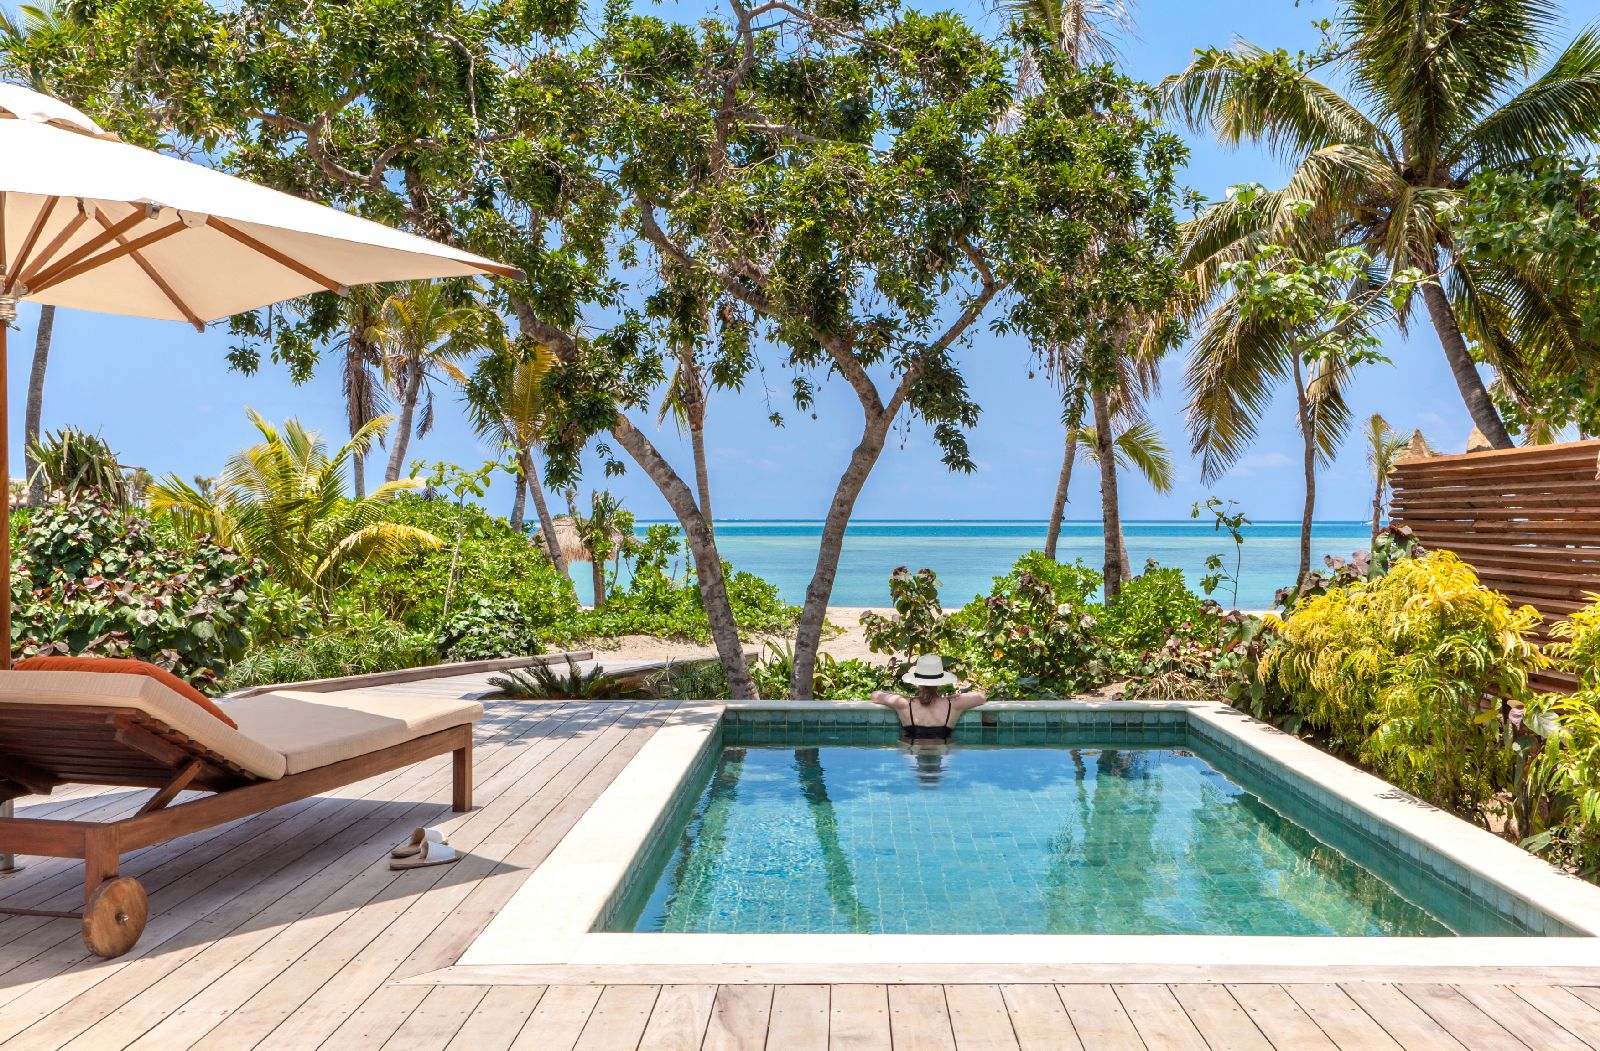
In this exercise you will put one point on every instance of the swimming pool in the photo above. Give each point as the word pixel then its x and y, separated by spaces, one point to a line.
pixel 1053 831
pixel 799 841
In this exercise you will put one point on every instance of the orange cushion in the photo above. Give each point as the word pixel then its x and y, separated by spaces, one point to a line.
pixel 125 666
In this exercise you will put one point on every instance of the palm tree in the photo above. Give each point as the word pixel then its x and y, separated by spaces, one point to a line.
pixel 1138 447
pixel 425 329
pixel 282 501
pixel 19 36
pixel 604 532
pixel 360 348
pixel 1384 449
pixel 506 403
pixel 1440 98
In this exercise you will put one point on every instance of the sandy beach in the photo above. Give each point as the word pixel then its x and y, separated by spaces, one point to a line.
pixel 848 641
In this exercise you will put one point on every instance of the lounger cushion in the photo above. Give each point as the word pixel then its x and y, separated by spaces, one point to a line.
pixel 126 666
pixel 140 692
pixel 316 729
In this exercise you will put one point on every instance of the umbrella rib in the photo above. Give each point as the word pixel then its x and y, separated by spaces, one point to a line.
pixel 28 243
pixel 40 276
pixel 43 259
pixel 276 256
pixel 3 196
pixel 68 269
pixel 131 248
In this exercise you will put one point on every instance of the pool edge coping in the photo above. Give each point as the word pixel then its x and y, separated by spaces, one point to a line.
pixel 548 919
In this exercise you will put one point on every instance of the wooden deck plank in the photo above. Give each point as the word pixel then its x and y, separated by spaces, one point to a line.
pixel 558 1021
pixel 799 1019
pixel 1573 1009
pixel 979 1018
pixel 1280 1019
pixel 618 1018
pixel 373 1023
pixel 858 1018
pixel 919 1019
pixel 1459 1017
pixel 1407 1023
pixel 739 1017
pixel 1038 1019
pixel 1162 1023
pixel 499 1017
pixel 436 1020
pixel 1533 1026
pixel 679 1018
pixel 1222 1022
pixel 1347 1024
pixel 1099 1019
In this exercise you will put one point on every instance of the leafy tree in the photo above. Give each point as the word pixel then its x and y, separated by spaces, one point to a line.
pixel 282 502
pixel 1440 100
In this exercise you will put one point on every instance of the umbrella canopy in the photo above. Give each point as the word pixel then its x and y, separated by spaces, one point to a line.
pixel 93 223
pixel 573 549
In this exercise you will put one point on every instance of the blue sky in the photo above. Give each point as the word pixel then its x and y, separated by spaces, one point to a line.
pixel 165 399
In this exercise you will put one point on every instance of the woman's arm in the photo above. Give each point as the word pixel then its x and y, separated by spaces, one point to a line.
pixel 965 702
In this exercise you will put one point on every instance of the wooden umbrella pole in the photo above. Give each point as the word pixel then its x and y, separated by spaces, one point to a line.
pixel 8 314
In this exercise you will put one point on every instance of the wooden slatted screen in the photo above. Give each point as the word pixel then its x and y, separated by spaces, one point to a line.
pixel 1528 520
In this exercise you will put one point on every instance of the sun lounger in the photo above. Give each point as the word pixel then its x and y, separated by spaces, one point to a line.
pixel 95 728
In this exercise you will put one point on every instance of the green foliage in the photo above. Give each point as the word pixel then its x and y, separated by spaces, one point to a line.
pixel 483 628
pixel 1154 608
pixel 1412 673
pixel 543 682
pixel 1394 544
pixel 367 644
pixel 496 565
pixel 851 679
pixel 919 625
pixel 656 602
pixel 1225 519
pixel 92 579
pixel 75 465
pixel 1564 775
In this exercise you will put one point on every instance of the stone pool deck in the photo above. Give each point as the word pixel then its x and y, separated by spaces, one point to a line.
pixel 288 930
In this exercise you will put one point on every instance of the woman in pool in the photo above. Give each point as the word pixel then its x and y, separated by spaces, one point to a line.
pixel 930 715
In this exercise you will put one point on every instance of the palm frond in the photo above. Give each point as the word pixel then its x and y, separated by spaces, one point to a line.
pixel 1557 113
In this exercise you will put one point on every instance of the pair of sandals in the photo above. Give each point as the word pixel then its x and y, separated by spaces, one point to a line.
pixel 425 848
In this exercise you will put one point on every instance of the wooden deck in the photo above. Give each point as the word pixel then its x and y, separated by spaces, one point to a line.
pixel 288 930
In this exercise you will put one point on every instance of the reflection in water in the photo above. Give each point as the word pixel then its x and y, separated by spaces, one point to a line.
pixel 930 837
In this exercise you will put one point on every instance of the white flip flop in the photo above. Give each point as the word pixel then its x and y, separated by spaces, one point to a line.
pixel 428 853
pixel 413 846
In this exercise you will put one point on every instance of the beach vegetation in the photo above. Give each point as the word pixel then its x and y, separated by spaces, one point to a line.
pixel 1564 771
pixel 1414 673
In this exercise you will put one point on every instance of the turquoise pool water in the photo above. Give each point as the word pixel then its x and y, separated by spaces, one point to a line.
pixel 1071 832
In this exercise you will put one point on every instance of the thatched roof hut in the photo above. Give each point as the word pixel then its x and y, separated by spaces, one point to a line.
pixel 573 549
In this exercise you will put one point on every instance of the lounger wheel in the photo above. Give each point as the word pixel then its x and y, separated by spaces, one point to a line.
pixel 115 916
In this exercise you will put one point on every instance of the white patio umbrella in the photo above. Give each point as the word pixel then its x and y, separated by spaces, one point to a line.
pixel 93 223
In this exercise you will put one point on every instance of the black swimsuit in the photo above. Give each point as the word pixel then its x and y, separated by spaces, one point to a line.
pixel 926 733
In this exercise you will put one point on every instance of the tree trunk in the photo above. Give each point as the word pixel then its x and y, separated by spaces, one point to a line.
pixel 358 475
pixel 35 410
pixel 1308 441
pixel 703 547
pixel 547 525
pixel 1110 515
pixel 1465 370
pixel 519 503
pixel 411 387
pixel 702 474
pixel 1377 512
pixel 599 568
pixel 1058 507
pixel 808 633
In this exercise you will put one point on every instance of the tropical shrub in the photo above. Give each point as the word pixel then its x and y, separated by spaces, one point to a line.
pixel 1033 641
pixel 496 564
pixel 851 679
pixel 72 465
pixel 93 579
pixel 488 628
pixel 1564 774
pixel 1393 544
pixel 543 682
pixel 1155 608
pixel 282 502
pixel 360 646
pixel 1412 674
pixel 919 624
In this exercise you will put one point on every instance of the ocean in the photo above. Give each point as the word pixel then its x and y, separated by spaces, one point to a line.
pixel 967 555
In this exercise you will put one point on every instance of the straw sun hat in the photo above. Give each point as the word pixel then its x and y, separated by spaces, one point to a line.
pixel 929 670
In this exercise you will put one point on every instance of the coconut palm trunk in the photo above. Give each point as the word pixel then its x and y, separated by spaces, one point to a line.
pixel 410 389
pixel 1058 507
pixel 1110 514
pixel 519 505
pixel 547 525
pixel 34 416
pixel 1473 392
